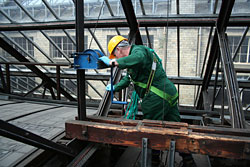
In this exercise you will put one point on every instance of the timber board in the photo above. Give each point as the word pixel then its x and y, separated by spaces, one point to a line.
pixel 208 141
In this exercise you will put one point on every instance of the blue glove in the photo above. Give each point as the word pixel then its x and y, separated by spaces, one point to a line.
pixel 108 87
pixel 105 59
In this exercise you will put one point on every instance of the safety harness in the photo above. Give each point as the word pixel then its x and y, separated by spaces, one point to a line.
pixel 172 99
pixel 132 108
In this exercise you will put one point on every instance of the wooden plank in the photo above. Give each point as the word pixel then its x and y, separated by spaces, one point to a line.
pixel 236 147
pixel 130 122
pixel 167 124
pixel 220 130
pixel 117 121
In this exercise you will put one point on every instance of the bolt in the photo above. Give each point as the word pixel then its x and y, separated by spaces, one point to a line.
pixel 247 150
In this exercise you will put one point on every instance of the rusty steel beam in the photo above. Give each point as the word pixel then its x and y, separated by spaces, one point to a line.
pixel 219 142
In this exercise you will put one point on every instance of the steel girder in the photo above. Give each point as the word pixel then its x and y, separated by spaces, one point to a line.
pixel 13 132
pixel 225 12
pixel 220 43
pixel 80 48
pixel 134 33
pixel 234 102
pixel 185 21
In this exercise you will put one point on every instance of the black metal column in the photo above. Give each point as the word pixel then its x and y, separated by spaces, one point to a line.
pixel 234 102
pixel 79 5
pixel 223 19
pixel 134 33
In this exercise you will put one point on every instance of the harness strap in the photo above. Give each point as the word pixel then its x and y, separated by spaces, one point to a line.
pixel 152 74
pixel 171 99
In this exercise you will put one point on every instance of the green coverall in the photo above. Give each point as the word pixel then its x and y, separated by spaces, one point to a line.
pixel 139 65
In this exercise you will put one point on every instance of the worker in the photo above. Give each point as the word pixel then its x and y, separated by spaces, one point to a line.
pixel 144 69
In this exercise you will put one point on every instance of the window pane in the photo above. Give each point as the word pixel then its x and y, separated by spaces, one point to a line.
pixel 243 58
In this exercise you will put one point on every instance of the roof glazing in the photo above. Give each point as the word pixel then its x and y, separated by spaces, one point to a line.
pixel 23 10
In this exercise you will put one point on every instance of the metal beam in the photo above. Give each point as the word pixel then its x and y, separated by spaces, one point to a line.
pixel 105 103
pixel 112 14
pixel 106 77
pixel 182 21
pixel 134 33
pixel 79 7
pixel 234 102
pixel 222 22
pixel 13 132
pixel 146 28
pixel 84 155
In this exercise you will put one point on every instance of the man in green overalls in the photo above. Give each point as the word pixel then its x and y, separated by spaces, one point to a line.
pixel 159 95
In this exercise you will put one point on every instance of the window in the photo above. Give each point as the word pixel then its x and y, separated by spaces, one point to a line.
pixel 243 53
pixel 65 44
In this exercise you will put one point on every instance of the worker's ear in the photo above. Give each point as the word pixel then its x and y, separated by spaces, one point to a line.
pixel 118 50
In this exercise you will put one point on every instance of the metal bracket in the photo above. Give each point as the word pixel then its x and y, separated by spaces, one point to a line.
pixel 171 154
pixel 146 154
pixel 247 149
pixel 85 133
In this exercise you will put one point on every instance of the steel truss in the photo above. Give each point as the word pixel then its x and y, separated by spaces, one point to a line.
pixel 220 47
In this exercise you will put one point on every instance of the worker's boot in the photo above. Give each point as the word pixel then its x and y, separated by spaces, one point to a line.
pixel 187 160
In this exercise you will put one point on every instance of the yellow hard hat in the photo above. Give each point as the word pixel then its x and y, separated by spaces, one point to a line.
pixel 114 41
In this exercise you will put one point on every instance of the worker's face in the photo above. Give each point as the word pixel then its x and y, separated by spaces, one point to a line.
pixel 119 53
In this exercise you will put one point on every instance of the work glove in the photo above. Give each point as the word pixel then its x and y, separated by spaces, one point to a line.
pixel 108 87
pixel 105 59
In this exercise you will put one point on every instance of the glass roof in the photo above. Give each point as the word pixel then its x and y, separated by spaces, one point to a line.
pixel 37 10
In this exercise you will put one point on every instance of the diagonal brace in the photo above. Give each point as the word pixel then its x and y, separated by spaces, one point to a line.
pixel 13 132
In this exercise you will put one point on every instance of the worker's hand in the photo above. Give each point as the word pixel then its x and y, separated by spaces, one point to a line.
pixel 105 59
pixel 108 87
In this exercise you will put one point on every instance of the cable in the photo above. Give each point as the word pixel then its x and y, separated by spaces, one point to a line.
pixel 96 24
pixel 163 114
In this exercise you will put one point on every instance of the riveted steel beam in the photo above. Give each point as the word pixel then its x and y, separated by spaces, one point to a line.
pixel 221 25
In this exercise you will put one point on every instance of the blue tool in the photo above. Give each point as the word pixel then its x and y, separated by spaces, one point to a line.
pixel 112 91
pixel 89 59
